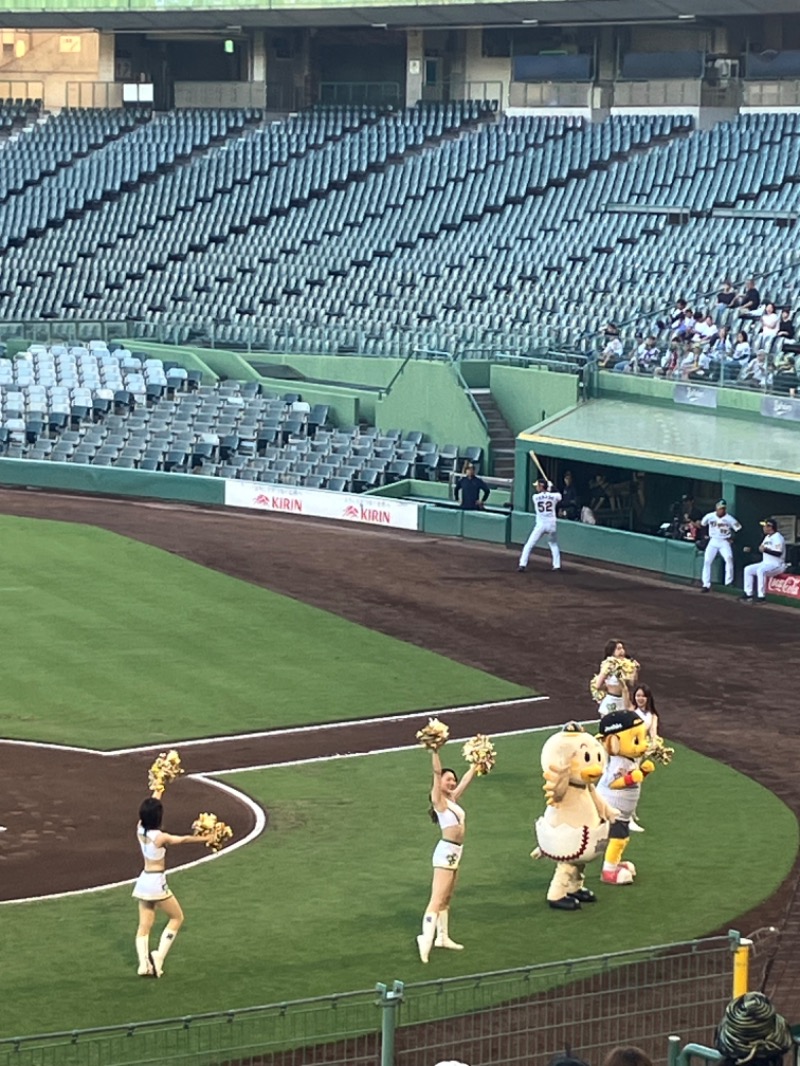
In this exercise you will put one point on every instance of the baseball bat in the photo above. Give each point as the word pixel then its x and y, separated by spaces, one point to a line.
pixel 539 466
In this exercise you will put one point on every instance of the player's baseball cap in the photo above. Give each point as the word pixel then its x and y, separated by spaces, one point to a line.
pixel 769 522
pixel 540 481
pixel 721 503
pixel 618 722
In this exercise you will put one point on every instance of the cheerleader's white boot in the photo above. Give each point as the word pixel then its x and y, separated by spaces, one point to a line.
pixel 442 938
pixel 425 939
pixel 165 943
pixel 143 955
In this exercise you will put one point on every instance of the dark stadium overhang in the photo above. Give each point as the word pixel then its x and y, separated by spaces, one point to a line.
pixel 279 14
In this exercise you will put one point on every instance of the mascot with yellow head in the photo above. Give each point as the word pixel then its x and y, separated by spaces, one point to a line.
pixel 624 736
pixel 574 827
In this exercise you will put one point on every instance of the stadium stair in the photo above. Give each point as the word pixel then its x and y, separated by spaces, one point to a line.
pixel 501 437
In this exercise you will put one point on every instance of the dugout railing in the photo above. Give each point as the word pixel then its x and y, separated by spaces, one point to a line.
pixel 504 1018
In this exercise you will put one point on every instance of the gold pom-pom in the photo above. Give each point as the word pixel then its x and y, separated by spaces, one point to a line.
pixel 597 693
pixel 209 825
pixel 479 751
pixel 164 770
pixel 658 751
pixel 433 735
pixel 623 669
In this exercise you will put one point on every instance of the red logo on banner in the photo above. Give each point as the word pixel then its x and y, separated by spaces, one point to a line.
pixel 279 503
pixel 785 585
pixel 377 515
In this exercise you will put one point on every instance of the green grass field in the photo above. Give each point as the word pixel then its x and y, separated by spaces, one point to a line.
pixel 330 897
pixel 115 643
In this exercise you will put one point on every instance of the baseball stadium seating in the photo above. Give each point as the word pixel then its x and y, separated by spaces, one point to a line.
pixel 91 405
pixel 378 231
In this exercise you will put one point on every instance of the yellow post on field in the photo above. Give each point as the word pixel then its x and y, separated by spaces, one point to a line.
pixel 741 967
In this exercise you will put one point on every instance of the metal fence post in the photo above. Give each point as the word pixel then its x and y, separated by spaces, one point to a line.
pixel 390 1000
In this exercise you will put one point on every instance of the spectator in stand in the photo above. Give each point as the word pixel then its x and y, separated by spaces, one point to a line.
pixel 756 374
pixel 786 325
pixel 726 294
pixel 721 348
pixel 706 330
pixel 612 352
pixel 668 367
pixel 749 301
pixel 770 324
pixel 570 506
pixel 684 330
pixel 784 380
pixel 689 362
pixel 742 354
pixel 643 360
pixel 705 369
pixel 648 355
pixel 675 317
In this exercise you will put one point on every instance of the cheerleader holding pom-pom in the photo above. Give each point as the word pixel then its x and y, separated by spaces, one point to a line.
pixel 611 686
pixel 151 889
pixel 445 811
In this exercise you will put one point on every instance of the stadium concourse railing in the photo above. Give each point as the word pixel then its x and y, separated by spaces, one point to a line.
pixel 528 1014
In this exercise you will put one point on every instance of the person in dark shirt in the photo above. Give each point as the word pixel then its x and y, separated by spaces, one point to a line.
pixel 726 294
pixel 786 325
pixel 750 300
pixel 472 490
pixel 685 519
pixel 570 506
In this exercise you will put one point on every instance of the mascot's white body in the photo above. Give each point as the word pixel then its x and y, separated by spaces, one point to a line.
pixel 574 828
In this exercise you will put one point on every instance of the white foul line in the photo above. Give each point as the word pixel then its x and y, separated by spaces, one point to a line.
pixel 257 830
pixel 290 730
pixel 377 751
pixel 258 811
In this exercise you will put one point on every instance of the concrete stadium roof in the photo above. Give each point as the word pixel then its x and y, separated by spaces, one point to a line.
pixel 228 14
pixel 672 439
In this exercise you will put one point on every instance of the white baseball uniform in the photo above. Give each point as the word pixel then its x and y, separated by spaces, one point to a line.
pixel 544 507
pixel 770 564
pixel 720 529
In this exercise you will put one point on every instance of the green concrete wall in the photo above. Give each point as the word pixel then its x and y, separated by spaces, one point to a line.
pixel 662 556
pixel 527 396
pixel 643 388
pixel 429 397
pixel 108 481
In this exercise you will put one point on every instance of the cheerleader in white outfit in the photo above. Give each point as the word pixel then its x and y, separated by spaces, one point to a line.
pixel 615 692
pixel 151 888
pixel 451 818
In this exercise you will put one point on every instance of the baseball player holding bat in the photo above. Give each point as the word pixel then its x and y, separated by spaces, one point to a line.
pixel 773 561
pixel 545 502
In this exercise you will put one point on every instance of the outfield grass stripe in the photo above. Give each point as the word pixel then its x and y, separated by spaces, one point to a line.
pixel 122 644
pixel 235 737
pixel 345 724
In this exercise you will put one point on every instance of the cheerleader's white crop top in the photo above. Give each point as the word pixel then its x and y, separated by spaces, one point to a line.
pixel 149 850
pixel 454 815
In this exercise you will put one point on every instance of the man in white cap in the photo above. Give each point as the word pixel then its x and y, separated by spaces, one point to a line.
pixel 721 526
pixel 773 561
